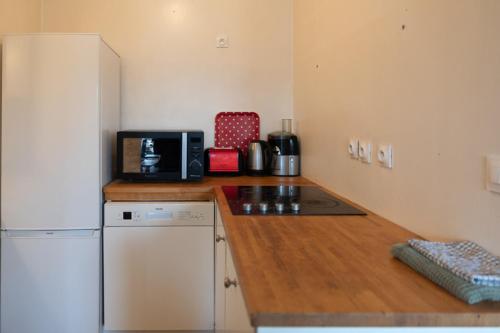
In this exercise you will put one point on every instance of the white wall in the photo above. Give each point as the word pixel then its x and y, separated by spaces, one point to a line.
pixel 432 90
pixel 173 76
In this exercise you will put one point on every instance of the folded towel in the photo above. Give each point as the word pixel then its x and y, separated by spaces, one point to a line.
pixel 466 291
pixel 466 259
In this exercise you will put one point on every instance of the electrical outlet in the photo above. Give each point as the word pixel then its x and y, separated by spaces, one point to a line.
pixel 384 156
pixel 365 152
pixel 493 173
pixel 353 148
pixel 222 42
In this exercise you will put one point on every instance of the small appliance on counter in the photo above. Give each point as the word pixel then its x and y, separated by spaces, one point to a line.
pixel 285 151
pixel 259 158
pixel 160 155
pixel 224 162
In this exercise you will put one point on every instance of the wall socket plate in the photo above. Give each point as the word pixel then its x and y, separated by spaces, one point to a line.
pixel 384 156
pixel 365 151
pixel 493 173
pixel 222 42
pixel 353 148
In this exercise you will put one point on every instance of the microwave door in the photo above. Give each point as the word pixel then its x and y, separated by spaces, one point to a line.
pixel 154 157
pixel 132 152
pixel 150 159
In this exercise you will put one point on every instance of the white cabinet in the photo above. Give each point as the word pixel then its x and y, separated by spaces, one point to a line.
pixel 220 273
pixel 230 312
pixel 236 315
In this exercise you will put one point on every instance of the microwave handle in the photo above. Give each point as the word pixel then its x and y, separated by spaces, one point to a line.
pixel 184 141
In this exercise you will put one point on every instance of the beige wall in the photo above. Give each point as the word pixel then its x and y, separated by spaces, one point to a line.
pixel 432 90
pixel 173 75
pixel 19 16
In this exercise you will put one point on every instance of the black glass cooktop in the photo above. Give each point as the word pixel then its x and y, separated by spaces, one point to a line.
pixel 285 200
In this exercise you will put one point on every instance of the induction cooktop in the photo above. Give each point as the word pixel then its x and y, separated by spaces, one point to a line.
pixel 285 200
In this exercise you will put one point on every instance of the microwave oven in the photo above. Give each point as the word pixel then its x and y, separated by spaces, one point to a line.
pixel 160 155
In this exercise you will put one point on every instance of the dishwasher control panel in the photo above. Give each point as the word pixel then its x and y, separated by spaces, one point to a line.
pixel 119 214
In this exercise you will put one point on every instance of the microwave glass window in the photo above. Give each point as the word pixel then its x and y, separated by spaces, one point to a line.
pixel 147 155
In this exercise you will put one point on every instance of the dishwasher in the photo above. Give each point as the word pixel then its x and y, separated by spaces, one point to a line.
pixel 158 262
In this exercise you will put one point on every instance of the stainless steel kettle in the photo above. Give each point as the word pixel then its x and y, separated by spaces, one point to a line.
pixel 259 158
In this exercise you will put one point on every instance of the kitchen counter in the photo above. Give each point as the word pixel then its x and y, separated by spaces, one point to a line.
pixel 320 270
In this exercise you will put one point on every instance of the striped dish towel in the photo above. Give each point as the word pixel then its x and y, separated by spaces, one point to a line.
pixel 465 259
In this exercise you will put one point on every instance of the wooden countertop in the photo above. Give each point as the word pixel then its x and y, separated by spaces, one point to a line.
pixel 320 270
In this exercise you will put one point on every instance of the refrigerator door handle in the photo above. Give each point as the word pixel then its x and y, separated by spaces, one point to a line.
pixel 87 233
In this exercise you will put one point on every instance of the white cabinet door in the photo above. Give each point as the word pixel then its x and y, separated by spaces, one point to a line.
pixel 231 315
pixel 220 273
pixel 237 319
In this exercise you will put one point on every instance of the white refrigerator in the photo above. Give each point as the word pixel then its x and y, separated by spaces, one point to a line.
pixel 60 115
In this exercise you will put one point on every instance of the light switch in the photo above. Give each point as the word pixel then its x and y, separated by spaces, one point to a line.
pixel 365 151
pixel 493 173
pixel 352 148
pixel 384 155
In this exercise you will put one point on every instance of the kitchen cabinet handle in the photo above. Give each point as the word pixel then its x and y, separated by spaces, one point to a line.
pixel 228 282
pixel 219 238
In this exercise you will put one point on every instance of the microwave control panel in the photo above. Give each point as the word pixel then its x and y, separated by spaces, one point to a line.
pixel 194 155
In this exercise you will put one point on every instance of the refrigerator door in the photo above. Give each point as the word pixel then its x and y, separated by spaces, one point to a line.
pixel 50 281
pixel 50 132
